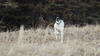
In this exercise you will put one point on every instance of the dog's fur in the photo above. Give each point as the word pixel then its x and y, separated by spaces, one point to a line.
pixel 59 29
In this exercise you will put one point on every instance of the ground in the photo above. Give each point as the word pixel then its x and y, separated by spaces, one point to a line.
pixel 78 41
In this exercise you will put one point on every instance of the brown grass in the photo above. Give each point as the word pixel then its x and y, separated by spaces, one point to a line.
pixel 83 41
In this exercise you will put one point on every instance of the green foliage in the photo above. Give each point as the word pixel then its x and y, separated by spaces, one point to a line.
pixel 2 26
pixel 13 13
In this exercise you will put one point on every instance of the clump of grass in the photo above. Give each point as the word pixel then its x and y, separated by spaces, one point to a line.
pixel 78 41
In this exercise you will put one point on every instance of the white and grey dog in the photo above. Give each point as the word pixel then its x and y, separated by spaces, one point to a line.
pixel 59 28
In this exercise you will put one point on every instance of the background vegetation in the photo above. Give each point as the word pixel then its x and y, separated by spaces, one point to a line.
pixel 33 13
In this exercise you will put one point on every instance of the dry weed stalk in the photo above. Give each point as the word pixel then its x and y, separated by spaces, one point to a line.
pixel 78 41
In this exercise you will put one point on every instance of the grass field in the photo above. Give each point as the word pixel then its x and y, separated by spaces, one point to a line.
pixel 78 41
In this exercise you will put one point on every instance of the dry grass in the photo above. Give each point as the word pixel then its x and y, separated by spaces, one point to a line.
pixel 83 41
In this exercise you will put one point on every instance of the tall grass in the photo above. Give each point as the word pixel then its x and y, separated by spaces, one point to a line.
pixel 78 41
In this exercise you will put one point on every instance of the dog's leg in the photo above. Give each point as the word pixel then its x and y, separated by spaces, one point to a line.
pixel 62 37
pixel 56 34
pixel 55 31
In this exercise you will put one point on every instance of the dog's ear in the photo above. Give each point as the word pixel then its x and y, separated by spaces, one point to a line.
pixel 56 19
